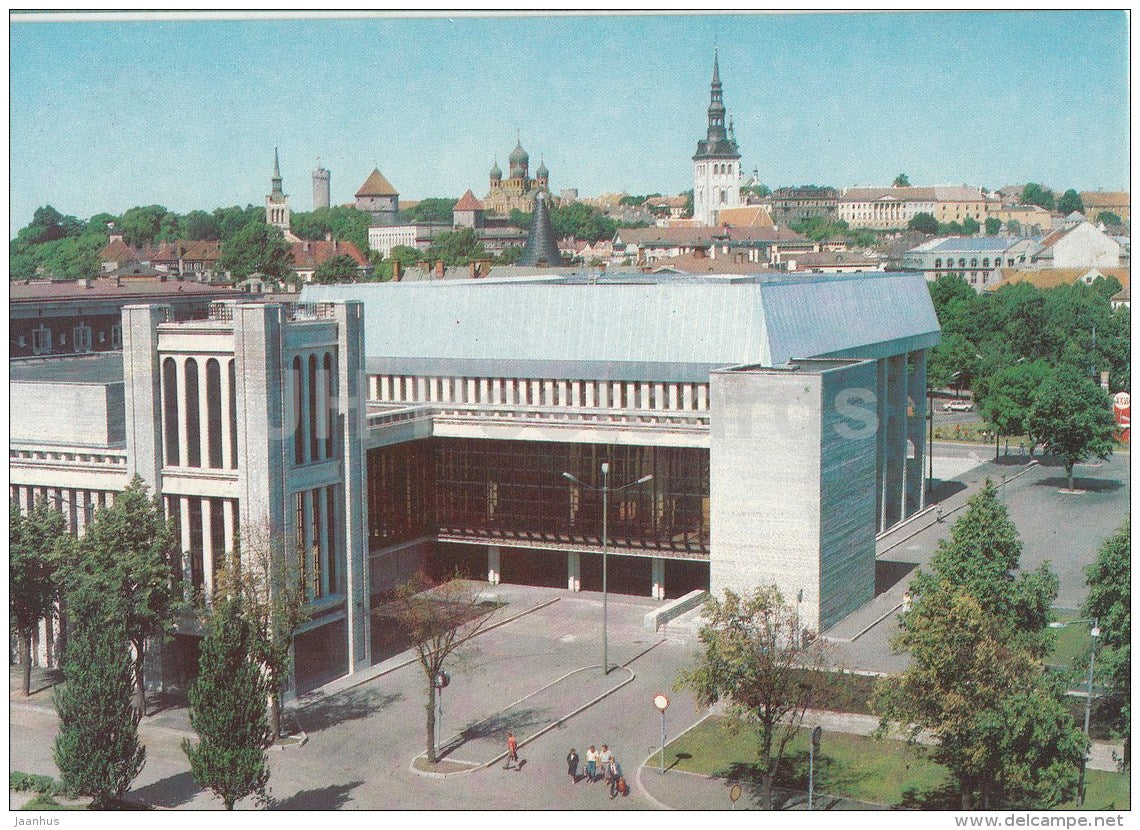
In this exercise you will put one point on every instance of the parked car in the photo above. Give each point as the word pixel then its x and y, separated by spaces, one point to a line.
pixel 959 406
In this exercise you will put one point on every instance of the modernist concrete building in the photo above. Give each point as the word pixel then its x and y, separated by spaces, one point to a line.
pixel 374 430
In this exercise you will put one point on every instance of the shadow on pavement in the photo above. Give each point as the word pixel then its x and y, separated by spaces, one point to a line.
pixel 889 573
pixel 497 727
pixel 942 490
pixel 172 791
pixel 333 797
pixel 349 705
pixel 1092 485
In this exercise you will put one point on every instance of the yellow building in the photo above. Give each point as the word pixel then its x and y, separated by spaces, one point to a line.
pixel 1101 201
pixel 517 191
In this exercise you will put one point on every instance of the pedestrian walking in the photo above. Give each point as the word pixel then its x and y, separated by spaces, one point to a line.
pixel 605 757
pixel 572 765
pixel 591 763
pixel 617 781
pixel 512 751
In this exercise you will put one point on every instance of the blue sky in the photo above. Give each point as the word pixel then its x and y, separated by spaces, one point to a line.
pixel 186 114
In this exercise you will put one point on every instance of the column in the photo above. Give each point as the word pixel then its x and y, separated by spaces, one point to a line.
pixel 575 393
pixel 562 397
pixel 493 564
pixel 207 550
pixel 687 396
pixel 227 403
pixel 659 396
pixel 548 393
pixel 590 402
pixel 310 540
pixel 385 388
pixel 184 521
pixel 895 450
pixel 229 514
pixel 658 577
pixel 320 509
pixel 484 392
pixel 882 397
pixel 574 571
pixel 183 440
pixel 916 433
pixel 421 389
pixel 703 397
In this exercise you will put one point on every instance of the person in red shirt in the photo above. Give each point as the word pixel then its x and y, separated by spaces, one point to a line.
pixel 512 751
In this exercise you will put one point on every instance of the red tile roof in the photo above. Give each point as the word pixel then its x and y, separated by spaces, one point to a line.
pixel 468 202
pixel 118 251
pixel 143 289
pixel 308 255
pixel 203 250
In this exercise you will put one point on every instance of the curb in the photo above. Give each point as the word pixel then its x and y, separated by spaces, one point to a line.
pixel 660 805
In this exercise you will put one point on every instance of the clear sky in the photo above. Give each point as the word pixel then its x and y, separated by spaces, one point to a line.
pixel 105 116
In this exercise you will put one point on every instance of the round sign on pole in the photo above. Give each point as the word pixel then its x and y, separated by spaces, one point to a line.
pixel 661 702
pixel 734 793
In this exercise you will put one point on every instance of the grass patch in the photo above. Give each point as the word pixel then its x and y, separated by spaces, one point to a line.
pixel 840 691
pixel 42 801
pixel 880 771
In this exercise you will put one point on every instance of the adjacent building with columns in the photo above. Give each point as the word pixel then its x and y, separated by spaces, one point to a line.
pixel 374 430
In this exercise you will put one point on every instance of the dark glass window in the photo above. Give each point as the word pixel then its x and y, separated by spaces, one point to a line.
pixel 233 416
pixel 214 413
pixel 170 410
pixel 298 414
pixel 314 423
pixel 193 420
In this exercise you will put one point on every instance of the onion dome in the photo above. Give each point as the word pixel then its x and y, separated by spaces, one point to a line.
pixel 496 173
pixel 519 155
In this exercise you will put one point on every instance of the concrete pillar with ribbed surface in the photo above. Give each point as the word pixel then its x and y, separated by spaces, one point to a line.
pixel 142 392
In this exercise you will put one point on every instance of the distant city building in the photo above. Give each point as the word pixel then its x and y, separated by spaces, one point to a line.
pixel 716 164
pixel 310 255
pixel 1034 221
pixel 1101 201
pixel 518 190
pixel 747 216
pixel 468 212
pixel 277 203
pixel 890 208
pixel 321 187
pixel 798 204
pixel 1081 245
pixel 379 200
pixel 832 262
pixel 181 258
pixel 975 259
pixel 762 245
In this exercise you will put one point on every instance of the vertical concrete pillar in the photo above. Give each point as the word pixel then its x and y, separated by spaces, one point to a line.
pixel 493 564
pixel 916 434
pixel 184 529
pixel 229 528
pixel 896 438
pixel 142 395
pixel 658 577
pixel 227 405
pixel 687 396
pixel 881 398
pixel 207 549
pixel 591 401
pixel 574 571
pixel 203 414
pixel 320 516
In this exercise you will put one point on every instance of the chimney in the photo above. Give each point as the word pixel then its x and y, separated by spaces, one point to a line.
pixel 83 283
pixel 439 269
pixel 474 269
pixel 328 236
pixel 305 246
pixel 397 270
pixel 484 267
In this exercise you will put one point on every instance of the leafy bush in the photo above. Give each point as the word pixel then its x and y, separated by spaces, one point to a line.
pixel 24 782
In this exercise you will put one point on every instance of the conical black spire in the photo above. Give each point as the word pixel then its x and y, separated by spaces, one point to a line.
pixel 718 142
pixel 541 243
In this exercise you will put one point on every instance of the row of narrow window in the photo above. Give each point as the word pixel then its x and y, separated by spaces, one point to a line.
pixel 316 540
pixel 203 441
pixel 315 425
pixel 526 392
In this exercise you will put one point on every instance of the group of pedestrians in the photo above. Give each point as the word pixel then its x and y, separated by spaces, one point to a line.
pixel 599 764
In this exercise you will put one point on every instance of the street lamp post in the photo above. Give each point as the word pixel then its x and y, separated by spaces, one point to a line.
pixel 605 489
pixel 1094 635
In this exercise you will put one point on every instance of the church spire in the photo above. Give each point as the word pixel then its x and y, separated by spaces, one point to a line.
pixel 276 174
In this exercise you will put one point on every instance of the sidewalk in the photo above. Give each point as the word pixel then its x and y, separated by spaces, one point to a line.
pixel 678 790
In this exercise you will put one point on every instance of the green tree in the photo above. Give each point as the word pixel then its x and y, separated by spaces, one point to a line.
pixel 981 557
pixel 1073 418
pixel 688 211
pixel 1070 201
pixel 1014 227
pixel 458 247
pixel 406 255
pixel 1008 397
pixel 1109 219
pixel 227 709
pixel 33 544
pixel 952 363
pixel 199 225
pixel 901 180
pixel 1035 194
pixel 758 660
pixel 923 223
pixel 509 255
pixel 431 209
pixel 975 634
pixel 141 225
pixel 337 269
pixel 257 248
pixel 97 749
pixel 993 225
pixel 439 622
pixel 128 553
pixel 1110 602
pixel 970 226
pixel 232 219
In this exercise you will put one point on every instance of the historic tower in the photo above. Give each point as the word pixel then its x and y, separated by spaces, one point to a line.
pixel 277 203
pixel 716 165
pixel 321 181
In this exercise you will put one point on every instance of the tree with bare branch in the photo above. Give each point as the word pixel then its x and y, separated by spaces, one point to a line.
pixel 768 669
pixel 439 621
pixel 274 603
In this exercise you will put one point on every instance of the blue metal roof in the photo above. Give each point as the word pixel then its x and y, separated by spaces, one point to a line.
pixel 978 243
pixel 602 329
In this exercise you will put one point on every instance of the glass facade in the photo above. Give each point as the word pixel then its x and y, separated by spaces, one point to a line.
pixel 514 490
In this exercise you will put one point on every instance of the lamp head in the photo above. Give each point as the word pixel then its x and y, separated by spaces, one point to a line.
pixel 1094 632
pixel 605 468
pixel 644 479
